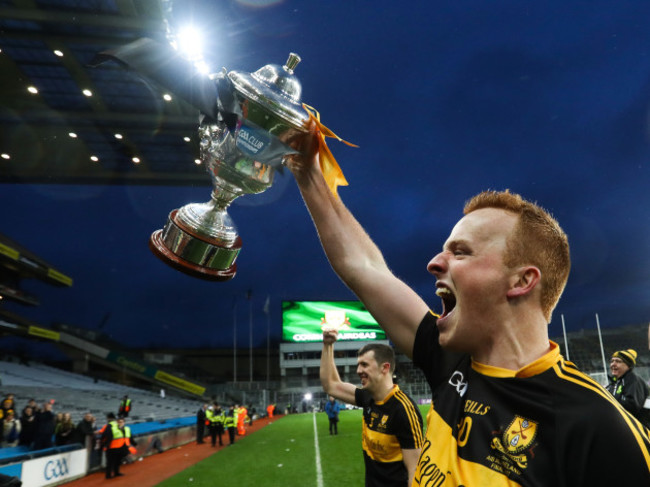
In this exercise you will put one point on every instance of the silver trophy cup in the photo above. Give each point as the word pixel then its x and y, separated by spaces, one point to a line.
pixel 241 155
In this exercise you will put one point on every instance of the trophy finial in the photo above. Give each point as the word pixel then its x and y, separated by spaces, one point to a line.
pixel 276 89
pixel 292 62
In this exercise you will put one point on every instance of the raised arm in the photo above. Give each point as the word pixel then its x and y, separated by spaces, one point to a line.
pixel 354 256
pixel 329 375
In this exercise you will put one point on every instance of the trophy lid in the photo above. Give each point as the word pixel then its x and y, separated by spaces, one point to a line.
pixel 275 88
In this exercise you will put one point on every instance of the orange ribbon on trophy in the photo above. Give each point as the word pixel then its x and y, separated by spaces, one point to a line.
pixel 331 170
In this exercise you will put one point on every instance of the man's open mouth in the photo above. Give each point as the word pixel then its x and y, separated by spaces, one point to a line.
pixel 448 300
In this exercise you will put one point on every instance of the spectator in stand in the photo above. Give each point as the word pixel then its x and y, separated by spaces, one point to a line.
pixel 8 403
pixel 58 417
pixel 32 404
pixel 45 425
pixel 10 429
pixel 27 427
pixel 200 424
pixel 64 431
pixel 332 409
pixel 125 407
pixel 85 429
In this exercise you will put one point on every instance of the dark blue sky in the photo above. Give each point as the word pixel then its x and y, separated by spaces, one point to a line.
pixel 445 99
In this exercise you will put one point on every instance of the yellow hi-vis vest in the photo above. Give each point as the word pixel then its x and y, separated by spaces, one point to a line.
pixel 118 437
pixel 213 417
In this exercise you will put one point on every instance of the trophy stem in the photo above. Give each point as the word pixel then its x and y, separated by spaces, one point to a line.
pixel 224 193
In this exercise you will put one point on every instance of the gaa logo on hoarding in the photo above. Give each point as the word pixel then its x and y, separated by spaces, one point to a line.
pixel 55 469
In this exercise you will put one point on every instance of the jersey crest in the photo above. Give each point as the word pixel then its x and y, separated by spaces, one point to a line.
pixel 516 442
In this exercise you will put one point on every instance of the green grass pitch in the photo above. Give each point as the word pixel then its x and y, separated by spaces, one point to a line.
pixel 293 451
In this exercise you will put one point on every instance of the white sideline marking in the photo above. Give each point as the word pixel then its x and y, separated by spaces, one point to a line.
pixel 319 470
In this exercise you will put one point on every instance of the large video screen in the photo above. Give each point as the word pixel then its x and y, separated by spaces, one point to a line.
pixel 304 321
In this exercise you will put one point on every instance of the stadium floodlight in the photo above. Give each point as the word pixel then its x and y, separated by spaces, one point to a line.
pixel 190 43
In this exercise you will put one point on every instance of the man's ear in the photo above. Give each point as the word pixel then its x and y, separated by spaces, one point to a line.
pixel 524 281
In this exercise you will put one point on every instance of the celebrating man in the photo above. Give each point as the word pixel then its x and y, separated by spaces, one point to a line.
pixel 508 410
pixel 391 436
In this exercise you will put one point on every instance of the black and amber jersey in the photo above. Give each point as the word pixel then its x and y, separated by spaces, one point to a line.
pixel 389 426
pixel 547 424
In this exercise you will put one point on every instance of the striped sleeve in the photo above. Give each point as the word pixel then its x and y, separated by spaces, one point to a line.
pixel 411 436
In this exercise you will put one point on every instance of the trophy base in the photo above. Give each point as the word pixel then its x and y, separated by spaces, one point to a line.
pixel 195 255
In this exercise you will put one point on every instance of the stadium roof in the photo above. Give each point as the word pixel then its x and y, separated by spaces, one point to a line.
pixel 548 99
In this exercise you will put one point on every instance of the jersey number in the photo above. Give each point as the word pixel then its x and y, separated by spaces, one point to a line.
pixel 463 430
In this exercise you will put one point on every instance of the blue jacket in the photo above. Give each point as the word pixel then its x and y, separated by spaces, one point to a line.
pixel 332 409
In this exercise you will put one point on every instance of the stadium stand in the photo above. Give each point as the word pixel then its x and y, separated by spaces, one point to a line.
pixel 77 394
pixel 584 348
pixel 158 423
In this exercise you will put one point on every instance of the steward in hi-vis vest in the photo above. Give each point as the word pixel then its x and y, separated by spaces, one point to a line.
pixel 216 417
pixel 125 407
pixel 242 413
pixel 230 423
pixel 113 440
pixel 129 441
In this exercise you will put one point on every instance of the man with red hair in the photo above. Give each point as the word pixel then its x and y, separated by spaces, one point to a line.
pixel 506 408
